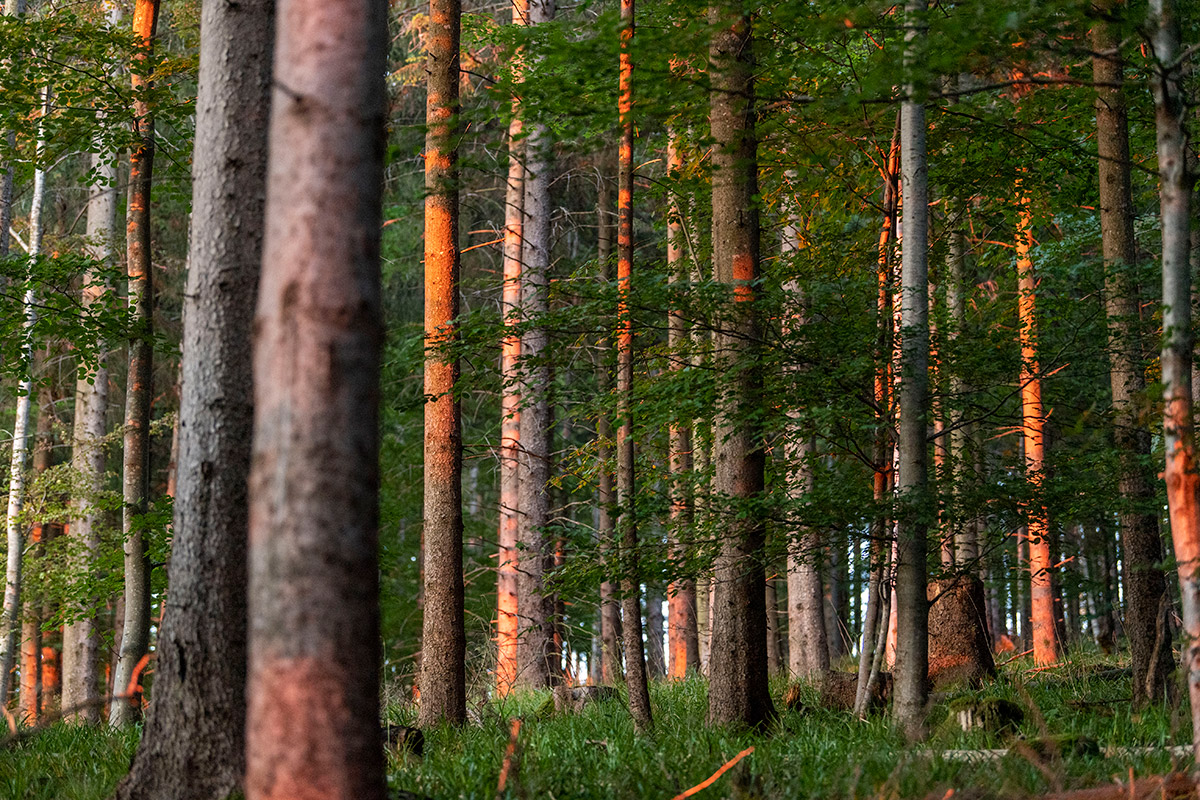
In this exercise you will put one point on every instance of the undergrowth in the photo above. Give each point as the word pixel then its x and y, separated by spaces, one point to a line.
pixel 811 752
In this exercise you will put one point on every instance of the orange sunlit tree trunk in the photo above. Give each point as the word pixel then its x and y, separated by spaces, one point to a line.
pixel 312 724
pixel 1044 633
pixel 443 640
pixel 135 632
pixel 631 606
pixel 507 624
pixel 1181 473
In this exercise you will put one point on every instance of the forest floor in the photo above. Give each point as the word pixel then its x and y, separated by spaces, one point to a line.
pixel 1078 731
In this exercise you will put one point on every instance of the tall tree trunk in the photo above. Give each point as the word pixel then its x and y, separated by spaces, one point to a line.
pixel 507 576
pixel 635 661
pixel 29 704
pixel 877 620
pixel 312 725
pixel 774 648
pixel 1175 187
pixel 443 639
pixel 10 625
pixel 738 667
pixel 537 665
pixel 808 653
pixel 135 634
pixel 1145 585
pixel 12 8
pixel 682 637
pixel 200 677
pixel 912 614
pixel 1043 634
pixel 961 473
pixel 610 608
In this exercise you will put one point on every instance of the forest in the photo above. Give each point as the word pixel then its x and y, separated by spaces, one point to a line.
pixel 418 400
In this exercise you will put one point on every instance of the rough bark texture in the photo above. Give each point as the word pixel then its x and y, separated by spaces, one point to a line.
pixel 312 727
pixel 135 632
pixel 193 746
pixel 635 661
pixel 960 651
pixel 1175 187
pixel 683 645
pixel 1145 585
pixel 912 656
pixel 443 638
pixel 507 620
pixel 1043 632
pixel 29 703
pixel 738 666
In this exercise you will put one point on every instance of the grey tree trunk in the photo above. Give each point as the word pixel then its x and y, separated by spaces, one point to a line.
pixel 808 653
pixel 912 642
pixel 1175 188
pixel 193 746
pixel 312 723
pixel 738 693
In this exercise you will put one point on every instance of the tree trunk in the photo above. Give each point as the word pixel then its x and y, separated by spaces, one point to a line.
pixel 912 614
pixel 610 609
pixel 683 644
pixel 507 576
pixel 808 654
pixel 537 666
pixel 876 620
pixel 135 634
pixel 12 8
pixel 1175 186
pixel 10 625
pixel 29 704
pixel 961 473
pixel 1043 633
pixel 738 666
pixel 200 677
pixel 80 697
pixel 312 726
pixel 635 661
pixel 1145 585
pixel 443 639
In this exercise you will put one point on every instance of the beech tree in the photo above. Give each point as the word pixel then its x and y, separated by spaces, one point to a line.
pixel 312 723
pixel 912 484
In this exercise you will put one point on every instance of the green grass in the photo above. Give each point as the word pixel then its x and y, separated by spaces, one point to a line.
pixel 815 753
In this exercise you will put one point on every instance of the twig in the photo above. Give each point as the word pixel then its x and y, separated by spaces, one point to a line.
pixel 1014 658
pixel 509 755
pixel 712 779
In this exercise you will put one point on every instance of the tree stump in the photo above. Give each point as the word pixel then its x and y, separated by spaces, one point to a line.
pixel 959 648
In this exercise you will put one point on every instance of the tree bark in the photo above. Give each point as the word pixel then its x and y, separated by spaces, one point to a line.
pixel 538 667
pixel 507 576
pixel 1175 187
pixel 1145 584
pixel 912 614
pixel 738 692
pixel 443 640
pixel 808 654
pixel 1041 593
pixel 135 633
pixel 635 661
pixel 683 642
pixel 10 625
pixel 194 744
pixel 312 726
